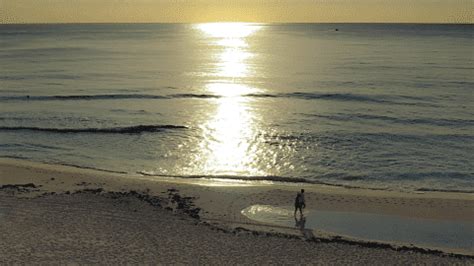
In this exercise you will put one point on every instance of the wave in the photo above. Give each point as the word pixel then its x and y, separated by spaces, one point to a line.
pixel 335 96
pixel 31 146
pixel 444 190
pixel 106 97
pixel 81 97
pixel 27 159
pixel 282 179
pixel 301 180
pixel 385 99
pixel 234 177
pixel 348 138
pixel 193 95
pixel 116 130
pixel 88 168
pixel 406 121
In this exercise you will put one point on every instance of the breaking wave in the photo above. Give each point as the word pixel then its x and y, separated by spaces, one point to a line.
pixel 115 130
pixel 385 99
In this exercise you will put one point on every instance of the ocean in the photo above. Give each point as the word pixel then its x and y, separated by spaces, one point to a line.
pixel 382 106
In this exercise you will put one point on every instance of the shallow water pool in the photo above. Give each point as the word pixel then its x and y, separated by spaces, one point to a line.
pixel 387 228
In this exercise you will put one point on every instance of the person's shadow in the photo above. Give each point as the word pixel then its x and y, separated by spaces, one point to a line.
pixel 301 223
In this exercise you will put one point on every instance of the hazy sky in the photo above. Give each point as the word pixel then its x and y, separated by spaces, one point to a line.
pixel 426 11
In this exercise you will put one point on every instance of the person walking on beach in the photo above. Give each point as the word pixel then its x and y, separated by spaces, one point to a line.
pixel 300 203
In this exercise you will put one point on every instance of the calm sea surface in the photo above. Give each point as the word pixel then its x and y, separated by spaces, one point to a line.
pixel 379 106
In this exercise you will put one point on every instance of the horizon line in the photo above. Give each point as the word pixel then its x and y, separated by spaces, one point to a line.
pixel 246 22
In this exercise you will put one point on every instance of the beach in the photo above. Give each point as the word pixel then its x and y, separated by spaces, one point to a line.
pixel 63 214
pixel 186 143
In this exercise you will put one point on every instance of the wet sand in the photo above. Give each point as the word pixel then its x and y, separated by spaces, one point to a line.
pixel 64 214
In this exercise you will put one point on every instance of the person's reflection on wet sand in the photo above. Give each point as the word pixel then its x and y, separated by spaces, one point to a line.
pixel 300 223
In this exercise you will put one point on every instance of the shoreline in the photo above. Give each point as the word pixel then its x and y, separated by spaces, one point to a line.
pixel 250 180
pixel 218 203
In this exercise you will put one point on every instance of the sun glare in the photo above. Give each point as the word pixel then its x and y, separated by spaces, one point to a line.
pixel 229 29
pixel 228 146
pixel 232 60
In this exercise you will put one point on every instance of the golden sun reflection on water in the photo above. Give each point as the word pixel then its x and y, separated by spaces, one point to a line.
pixel 229 136
pixel 228 141
pixel 232 61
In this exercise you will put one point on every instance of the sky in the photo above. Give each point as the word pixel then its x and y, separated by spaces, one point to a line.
pixel 90 11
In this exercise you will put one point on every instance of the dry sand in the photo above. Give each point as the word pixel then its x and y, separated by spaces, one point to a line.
pixel 105 223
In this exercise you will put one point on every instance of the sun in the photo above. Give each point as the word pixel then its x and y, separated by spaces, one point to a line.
pixel 229 30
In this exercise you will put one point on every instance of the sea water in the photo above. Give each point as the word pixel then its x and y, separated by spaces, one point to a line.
pixel 369 105
pixel 429 233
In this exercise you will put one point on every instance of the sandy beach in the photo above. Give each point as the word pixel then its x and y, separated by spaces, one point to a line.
pixel 63 214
